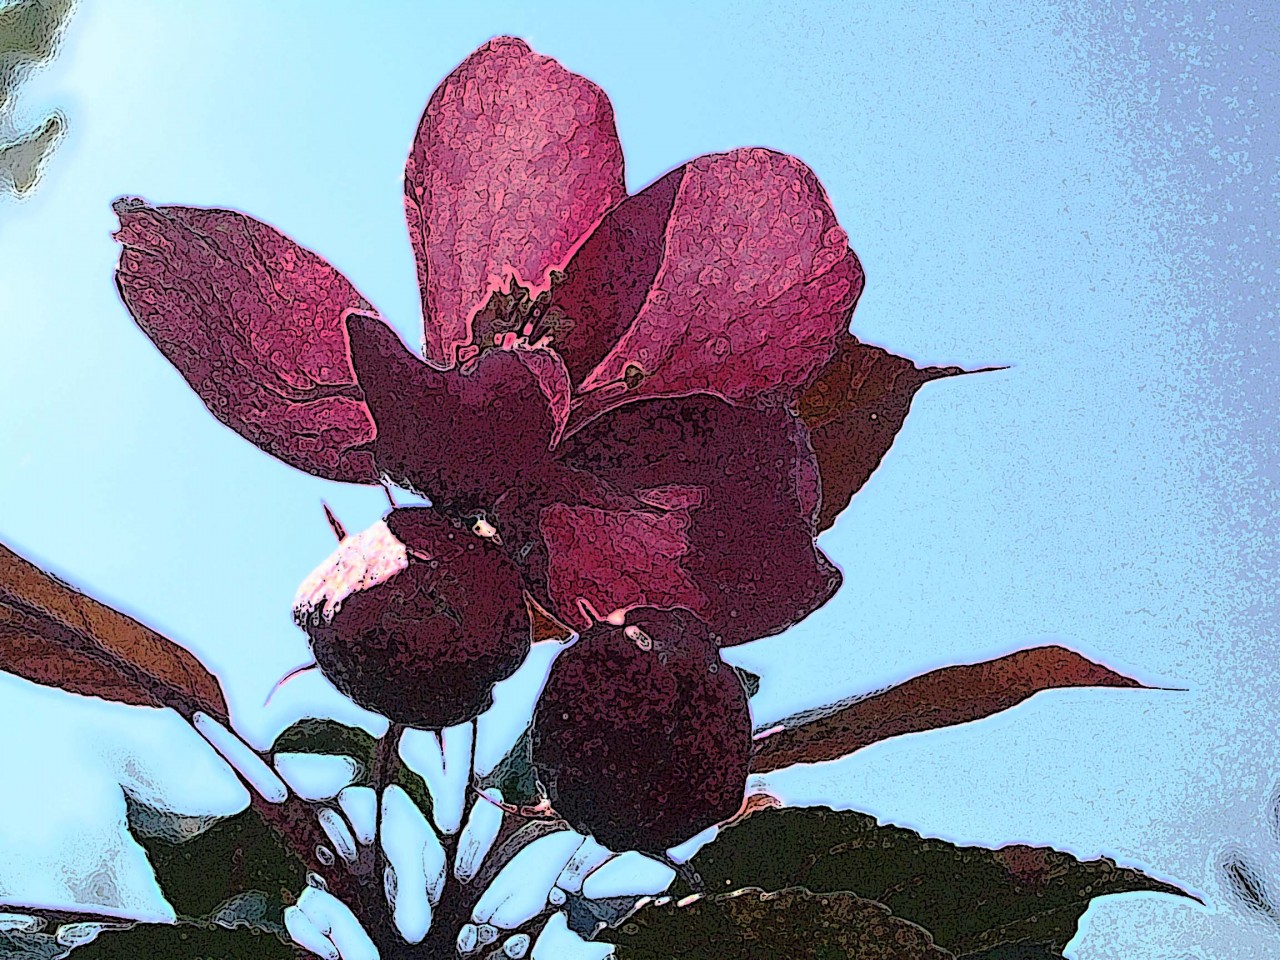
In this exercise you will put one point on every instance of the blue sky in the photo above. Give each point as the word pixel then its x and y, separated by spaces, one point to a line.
pixel 1089 197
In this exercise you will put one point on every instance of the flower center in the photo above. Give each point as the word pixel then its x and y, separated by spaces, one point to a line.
pixel 514 318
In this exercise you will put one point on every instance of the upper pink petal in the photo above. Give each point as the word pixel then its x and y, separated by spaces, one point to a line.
pixel 253 321
pixel 753 281
pixel 514 161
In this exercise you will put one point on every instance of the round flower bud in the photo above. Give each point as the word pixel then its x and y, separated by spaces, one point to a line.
pixel 416 618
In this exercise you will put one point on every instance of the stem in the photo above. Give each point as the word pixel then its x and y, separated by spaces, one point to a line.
pixel 375 910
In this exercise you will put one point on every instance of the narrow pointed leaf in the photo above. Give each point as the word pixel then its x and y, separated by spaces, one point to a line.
pixel 54 635
pixel 748 924
pixel 972 900
pixel 941 698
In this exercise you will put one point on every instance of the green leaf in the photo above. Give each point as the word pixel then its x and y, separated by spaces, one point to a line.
pixel 236 856
pixel 186 941
pixel 751 924
pixel 514 775
pixel 321 735
pixel 253 909
pixel 972 900
pixel 317 735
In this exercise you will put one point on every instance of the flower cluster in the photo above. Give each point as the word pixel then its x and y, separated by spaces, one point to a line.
pixel 633 416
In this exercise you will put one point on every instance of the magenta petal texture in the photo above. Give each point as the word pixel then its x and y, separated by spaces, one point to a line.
pixel 254 322
pixel 515 160
pixel 752 289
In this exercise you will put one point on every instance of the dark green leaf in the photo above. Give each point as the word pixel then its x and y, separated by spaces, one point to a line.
pixel 151 822
pixel 750 924
pixel 415 787
pixel 315 735
pixel 514 775
pixel 186 941
pixel 972 900
pixel 235 856
pixel 1019 951
pixel 750 681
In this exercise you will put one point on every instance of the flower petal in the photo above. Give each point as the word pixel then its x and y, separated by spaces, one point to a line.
pixel 514 161
pixel 254 323
pixel 548 369
pixel 750 294
pixel 722 521
pixel 609 277
pixel 603 561
pixel 461 437
pixel 854 410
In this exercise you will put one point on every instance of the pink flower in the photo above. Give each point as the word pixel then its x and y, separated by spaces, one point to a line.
pixel 629 389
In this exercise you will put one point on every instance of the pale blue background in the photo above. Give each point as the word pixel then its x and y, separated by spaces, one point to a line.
pixel 1089 195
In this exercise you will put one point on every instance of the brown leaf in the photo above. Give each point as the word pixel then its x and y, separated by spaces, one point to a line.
pixel 940 698
pixel 854 410
pixel 52 634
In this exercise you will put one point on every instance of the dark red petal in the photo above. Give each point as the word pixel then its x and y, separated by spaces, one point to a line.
pixel 461 437
pixel 752 288
pixel 254 323
pixel 610 275
pixel 549 371
pixel 854 410
pixel 515 159
pixel 605 561
pixel 739 492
